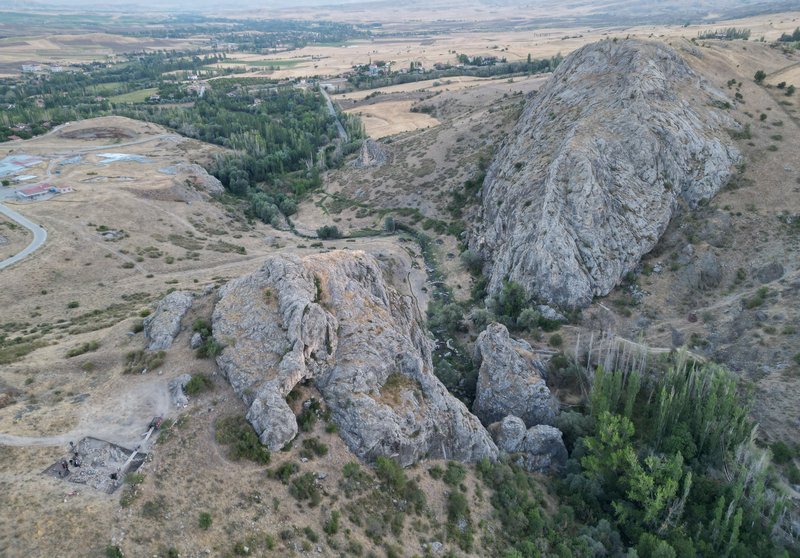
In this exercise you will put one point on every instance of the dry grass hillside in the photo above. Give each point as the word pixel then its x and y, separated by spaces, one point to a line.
pixel 136 228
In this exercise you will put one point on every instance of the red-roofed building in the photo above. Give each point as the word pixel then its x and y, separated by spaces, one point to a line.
pixel 40 190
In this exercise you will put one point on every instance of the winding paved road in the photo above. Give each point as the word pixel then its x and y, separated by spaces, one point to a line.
pixel 39 236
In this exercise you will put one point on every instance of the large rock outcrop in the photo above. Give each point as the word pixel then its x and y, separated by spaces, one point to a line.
pixel 511 380
pixel 161 327
pixel 618 137
pixel 332 319
pixel 538 448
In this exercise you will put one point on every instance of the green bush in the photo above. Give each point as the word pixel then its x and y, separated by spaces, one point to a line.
pixel 304 487
pixel 82 349
pixel 285 471
pixel 114 552
pixel 473 262
pixel 308 416
pixel 455 473
pixel 313 447
pixel 391 473
pixel 781 453
pixel 331 526
pixel 446 318
pixel 236 433
pixel 329 232
pixel 204 521
pixel 509 303
pixel 209 349
pixel 137 361
pixel 198 384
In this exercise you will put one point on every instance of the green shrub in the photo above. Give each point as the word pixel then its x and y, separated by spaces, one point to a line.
pixel 304 487
pixel 73 304
pixel 137 361
pixel 308 416
pixel 313 447
pixel 455 473
pixel 310 534
pixel 82 349
pixel 391 473
pixel 114 552
pixel 198 384
pixel 329 232
pixel 781 452
pixel 285 471
pixel 331 526
pixel 236 433
pixel 209 349
pixel 556 340
pixel 473 262
pixel 204 521
pixel 793 474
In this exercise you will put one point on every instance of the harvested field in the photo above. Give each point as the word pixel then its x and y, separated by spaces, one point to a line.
pixel 392 117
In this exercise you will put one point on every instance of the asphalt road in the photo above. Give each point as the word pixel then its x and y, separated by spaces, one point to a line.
pixel 39 236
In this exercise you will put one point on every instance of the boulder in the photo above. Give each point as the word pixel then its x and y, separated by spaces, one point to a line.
pixel 196 340
pixel 543 449
pixel 703 274
pixel 511 380
pixel 770 272
pixel 333 320
pixel 539 448
pixel 163 325
pixel 176 393
pixel 621 136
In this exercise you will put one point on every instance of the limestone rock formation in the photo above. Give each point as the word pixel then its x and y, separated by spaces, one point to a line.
pixel 163 325
pixel 370 155
pixel 539 448
pixel 197 176
pixel 620 136
pixel 332 319
pixel 511 380
pixel 176 393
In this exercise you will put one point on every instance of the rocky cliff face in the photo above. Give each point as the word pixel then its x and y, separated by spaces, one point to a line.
pixel 511 380
pixel 332 319
pixel 601 158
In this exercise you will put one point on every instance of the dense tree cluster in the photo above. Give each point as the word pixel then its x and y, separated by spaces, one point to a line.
pixel 793 37
pixel 661 467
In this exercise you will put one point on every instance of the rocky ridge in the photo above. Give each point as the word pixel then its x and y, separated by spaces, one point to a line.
pixel 621 136
pixel 333 320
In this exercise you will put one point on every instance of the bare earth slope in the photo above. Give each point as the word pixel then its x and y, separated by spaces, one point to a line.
pixel 620 136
